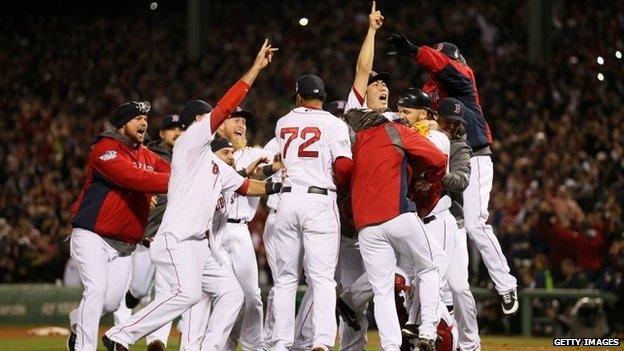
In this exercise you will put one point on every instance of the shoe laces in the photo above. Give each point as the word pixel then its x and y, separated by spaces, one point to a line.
pixel 507 298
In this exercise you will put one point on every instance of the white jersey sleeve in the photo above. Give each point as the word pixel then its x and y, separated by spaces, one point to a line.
pixel 442 142
pixel 354 100
pixel 339 142
pixel 244 207
pixel 197 134
pixel 230 180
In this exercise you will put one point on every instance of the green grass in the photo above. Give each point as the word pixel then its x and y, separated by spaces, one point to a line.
pixel 489 344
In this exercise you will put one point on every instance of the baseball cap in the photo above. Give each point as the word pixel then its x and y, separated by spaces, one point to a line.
pixel 239 112
pixel 336 108
pixel 192 109
pixel 382 76
pixel 310 85
pixel 171 121
pixel 452 109
pixel 220 143
pixel 128 111
pixel 449 49
pixel 415 98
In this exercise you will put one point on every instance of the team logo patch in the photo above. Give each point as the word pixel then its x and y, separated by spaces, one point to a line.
pixel 215 168
pixel 343 143
pixel 108 155
pixel 457 108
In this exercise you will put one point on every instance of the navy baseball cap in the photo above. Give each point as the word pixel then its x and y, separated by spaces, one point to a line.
pixel 192 109
pixel 220 143
pixel 452 109
pixel 310 85
pixel 449 49
pixel 172 121
pixel 128 111
pixel 336 108
pixel 382 76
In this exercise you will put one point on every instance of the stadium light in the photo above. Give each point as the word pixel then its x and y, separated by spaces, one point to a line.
pixel 600 60
pixel 600 77
pixel 153 6
pixel 303 21
pixel 618 54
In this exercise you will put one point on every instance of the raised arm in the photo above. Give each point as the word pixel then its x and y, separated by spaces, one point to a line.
pixel 235 95
pixel 364 65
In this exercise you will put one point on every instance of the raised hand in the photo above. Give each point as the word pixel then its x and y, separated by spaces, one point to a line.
pixel 265 55
pixel 375 19
pixel 398 44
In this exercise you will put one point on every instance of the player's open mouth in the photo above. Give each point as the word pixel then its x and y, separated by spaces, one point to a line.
pixel 238 133
pixel 141 132
pixel 383 97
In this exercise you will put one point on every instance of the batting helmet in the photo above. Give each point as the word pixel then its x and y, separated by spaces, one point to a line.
pixel 415 98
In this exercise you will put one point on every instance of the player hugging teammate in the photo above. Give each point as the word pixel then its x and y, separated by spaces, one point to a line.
pixel 366 204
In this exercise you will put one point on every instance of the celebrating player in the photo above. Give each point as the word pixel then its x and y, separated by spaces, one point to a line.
pixel 109 217
pixel 450 76
pixel 180 249
pixel 312 143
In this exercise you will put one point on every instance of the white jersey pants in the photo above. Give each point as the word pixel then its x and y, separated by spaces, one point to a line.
pixel 269 248
pixel 191 272
pixel 476 200
pixel 237 242
pixel 307 237
pixel 465 311
pixel 104 274
pixel 207 325
pixel 356 292
pixel 380 244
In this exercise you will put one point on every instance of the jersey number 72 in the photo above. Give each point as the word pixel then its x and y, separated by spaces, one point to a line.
pixel 293 132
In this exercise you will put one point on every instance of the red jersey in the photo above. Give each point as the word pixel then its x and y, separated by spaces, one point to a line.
pixel 120 180
pixel 450 78
pixel 384 158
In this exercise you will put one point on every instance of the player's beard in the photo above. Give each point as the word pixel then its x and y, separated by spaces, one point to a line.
pixel 239 143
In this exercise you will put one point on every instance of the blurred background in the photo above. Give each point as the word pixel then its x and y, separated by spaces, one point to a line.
pixel 549 75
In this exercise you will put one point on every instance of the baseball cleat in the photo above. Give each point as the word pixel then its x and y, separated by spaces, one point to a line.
pixel 156 346
pixel 410 331
pixel 425 344
pixel 347 314
pixel 509 302
pixel 111 345
pixel 131 301
pixel 71 340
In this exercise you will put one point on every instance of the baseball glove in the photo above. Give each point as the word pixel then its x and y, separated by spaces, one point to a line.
pixel 360 119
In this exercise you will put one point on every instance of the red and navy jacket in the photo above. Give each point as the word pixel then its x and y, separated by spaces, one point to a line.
pixel 384 159
pixel 120 180
pixel 450 78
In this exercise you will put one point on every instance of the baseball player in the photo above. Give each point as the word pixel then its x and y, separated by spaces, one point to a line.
pixel 384 217
pixel 451 76
pixel 268 237
pixel 238 238
pixel 200 321
pixel 109 217
pixel 143 271
pixel 313 143
pixel 455 182
pixel 180 248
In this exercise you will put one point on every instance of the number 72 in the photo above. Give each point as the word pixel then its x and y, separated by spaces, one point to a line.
pixel 293 132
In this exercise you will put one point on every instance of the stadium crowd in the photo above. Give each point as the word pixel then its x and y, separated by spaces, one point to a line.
pixel 558 154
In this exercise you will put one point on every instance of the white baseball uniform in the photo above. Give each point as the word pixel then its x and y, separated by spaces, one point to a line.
pixel 308 223
pixel 268 238
pixel 239 246
pixel 180 249
pixel 201 322
pixel 476 200
pixel 141 279
pixel 99 264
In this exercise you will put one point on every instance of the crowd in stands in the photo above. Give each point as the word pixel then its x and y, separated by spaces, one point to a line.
pixel 558 129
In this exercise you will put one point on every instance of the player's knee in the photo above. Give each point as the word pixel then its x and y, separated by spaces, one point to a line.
pixel 190 294
pixel 458 286
pixel 96 291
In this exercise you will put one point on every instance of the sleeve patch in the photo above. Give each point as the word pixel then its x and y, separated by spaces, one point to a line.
pixel 108 155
